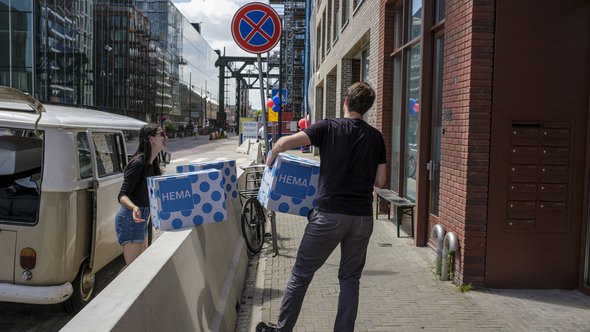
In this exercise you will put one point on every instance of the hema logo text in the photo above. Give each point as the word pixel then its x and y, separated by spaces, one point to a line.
pixel 293 180
pixel 176 195
pixel 290 179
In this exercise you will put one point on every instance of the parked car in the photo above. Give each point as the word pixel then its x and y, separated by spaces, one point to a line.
pixel 58 231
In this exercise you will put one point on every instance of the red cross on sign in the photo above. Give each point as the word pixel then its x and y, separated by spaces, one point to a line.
pixel 256 27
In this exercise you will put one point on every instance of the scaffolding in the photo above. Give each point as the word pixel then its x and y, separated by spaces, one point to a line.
pixel 293 50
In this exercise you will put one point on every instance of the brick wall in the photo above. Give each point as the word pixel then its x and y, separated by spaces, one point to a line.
pixel 345 73
pixel 467 96
pixel 330 97
pixel 362 30
pixel 383 100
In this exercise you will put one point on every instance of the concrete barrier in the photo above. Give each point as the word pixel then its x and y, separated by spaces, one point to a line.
pixel 244 148
pixel 188 280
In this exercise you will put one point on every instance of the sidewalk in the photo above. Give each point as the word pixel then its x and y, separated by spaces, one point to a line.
pixel 399 292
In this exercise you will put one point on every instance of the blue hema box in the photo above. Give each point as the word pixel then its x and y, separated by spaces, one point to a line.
pixel 290 186
pixel 228 172
pixel 187 199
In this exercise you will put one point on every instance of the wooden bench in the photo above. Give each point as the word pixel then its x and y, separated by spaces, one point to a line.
pixel 402 207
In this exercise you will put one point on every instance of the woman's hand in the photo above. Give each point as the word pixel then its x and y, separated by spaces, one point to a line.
pixel 137 215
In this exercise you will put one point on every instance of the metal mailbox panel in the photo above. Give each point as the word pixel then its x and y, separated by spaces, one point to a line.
pixel 555 155
pixel 553 174
pixel 525 135
pixel 520 223
pixel 524 155
pixel 522 191
pixel 555 137
pixel 521 209
pixel 523 173
pixel 553 192
pixel 551 206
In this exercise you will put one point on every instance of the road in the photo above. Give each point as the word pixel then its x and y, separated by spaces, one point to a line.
pixel 31 317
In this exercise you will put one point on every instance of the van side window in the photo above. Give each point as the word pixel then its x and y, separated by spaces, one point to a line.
pixel 109 152
pixel 84 159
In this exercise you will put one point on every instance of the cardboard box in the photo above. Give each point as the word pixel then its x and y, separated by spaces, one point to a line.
pixel 187 199
pixel 228 172
pixel 290 186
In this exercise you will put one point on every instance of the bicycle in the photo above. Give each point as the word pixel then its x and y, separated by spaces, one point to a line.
pixel 253 215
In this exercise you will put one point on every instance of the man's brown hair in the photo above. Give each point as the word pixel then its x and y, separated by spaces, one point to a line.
pixel 360 97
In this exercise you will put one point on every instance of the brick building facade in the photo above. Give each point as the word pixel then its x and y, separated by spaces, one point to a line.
pixel 485 124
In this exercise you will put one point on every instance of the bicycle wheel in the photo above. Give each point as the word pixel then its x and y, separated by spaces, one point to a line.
pixel 253 220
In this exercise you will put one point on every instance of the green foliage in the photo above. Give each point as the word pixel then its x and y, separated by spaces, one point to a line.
pixel 181 128
pixel 449 263
pixel 170 128
pixel 465 288
pixel 437 269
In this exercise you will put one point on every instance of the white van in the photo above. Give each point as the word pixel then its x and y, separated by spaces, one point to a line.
pixel 61 169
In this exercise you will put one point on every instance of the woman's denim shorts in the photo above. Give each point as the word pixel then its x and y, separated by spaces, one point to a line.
pixel 129 230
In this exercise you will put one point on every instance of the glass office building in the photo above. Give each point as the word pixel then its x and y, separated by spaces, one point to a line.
pixel 16 38
pixel 132 57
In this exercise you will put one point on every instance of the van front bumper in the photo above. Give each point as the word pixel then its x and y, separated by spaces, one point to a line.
pixel 35 294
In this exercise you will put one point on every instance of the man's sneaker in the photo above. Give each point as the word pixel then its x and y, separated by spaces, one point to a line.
pixel 264 327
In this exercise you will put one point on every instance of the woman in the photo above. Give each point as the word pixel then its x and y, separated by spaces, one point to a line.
pixel 130 221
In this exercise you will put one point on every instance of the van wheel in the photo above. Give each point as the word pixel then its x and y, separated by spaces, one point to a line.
pixel 83 290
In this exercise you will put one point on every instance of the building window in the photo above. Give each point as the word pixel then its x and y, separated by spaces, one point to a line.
pixel 406 96
pixel 324 35
pixel 336 21
pixel 318 46
pixel 365 65
pixel 439 11
pixel 345 8
pixel 415 19
pixel 412 84
pixel 329 26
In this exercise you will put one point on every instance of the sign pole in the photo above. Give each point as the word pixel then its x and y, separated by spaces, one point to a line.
pixel 263 105
pixel 256 33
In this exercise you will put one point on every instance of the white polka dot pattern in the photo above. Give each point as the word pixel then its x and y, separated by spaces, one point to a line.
pixel 290 186
pixel 228 172
pixel 186 200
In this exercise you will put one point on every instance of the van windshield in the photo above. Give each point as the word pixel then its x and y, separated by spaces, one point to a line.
pixel 21 156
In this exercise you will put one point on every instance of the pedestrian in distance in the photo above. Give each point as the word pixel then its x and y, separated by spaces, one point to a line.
pixel 353 162
pixel 130 220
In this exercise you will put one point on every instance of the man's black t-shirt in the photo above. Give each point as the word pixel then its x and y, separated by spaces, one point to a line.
pixel 350 150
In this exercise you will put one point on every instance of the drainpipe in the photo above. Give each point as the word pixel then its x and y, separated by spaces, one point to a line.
pixel 438 234
pixel 449 245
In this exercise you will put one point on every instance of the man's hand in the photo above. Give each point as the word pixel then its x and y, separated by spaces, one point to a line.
pixel 285 143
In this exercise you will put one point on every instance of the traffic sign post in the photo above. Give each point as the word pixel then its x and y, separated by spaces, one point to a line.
pixel 256 28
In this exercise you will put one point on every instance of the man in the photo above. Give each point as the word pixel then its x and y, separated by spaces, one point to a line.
pixel 352 163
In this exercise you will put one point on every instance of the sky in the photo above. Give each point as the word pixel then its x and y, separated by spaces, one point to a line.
pixel 216 17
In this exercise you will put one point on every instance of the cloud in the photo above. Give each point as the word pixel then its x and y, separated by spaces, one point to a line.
pixel 215 17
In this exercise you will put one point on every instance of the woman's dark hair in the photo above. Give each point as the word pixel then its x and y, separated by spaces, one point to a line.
pixel 145 149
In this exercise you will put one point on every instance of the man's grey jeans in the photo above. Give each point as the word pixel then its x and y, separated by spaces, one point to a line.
pixel 322 234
